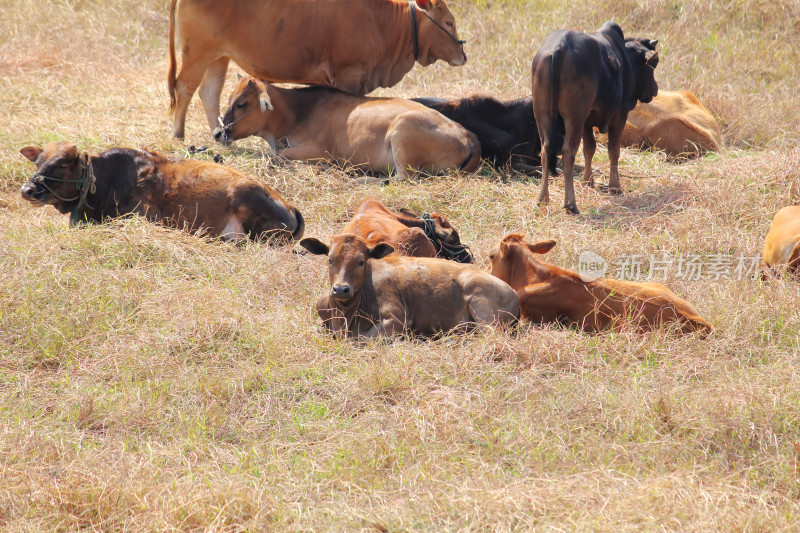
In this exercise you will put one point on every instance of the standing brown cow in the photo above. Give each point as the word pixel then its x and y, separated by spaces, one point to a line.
pixel 353 45
pixel 586 80
pixel 186 194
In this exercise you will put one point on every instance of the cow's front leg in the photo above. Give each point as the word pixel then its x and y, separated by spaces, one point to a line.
pixel 614 140
pixel 309 152
pixel 387 327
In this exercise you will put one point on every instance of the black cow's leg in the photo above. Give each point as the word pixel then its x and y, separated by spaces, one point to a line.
pixel 572 140
pixel 589 147
pixel 614 139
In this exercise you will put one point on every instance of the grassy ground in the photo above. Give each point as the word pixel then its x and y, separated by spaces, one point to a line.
pixel 151 380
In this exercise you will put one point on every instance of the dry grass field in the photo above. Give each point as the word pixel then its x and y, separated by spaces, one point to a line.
pixel 155 381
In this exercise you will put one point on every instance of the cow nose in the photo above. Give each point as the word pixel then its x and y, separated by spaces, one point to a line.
pixel 341 290
pixel 29 190
pixel 220 135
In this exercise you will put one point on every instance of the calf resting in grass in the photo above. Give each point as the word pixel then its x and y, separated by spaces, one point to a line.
pixel 197 196
pixel 375 295
pixel 375 135
pixel 552 294
pixel 408 233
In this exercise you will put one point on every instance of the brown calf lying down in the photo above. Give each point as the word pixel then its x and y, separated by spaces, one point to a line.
pixel 374 134
pixel 587 80
pixel 552 294
pixel 407 233
pixel 372 294
pixel 186 194
pixel 353 46
pixel 782 246
pixel 675 122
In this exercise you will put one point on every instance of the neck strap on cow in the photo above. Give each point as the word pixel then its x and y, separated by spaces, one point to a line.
pixel 454 252
pixel 86 184
pixel 414 37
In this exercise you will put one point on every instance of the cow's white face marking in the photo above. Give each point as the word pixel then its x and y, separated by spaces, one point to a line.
pixel 233 230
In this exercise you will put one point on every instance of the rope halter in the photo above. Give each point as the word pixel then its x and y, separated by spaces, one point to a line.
pixel 86 184
pixel 454 252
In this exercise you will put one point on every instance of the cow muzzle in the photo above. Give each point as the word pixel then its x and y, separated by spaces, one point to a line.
pixel 222 135
pixel 342 292
pixel 33 192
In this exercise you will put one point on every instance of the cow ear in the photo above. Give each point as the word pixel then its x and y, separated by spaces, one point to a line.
pixel 542 247
pixel 315 246
pixel 263 95
pixel 424 4
pixel 503 249
pixel 651 58
pixel 31 152
pixel 381 250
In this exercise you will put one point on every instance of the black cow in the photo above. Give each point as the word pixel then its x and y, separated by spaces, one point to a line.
pixel 589 80
pixel 506 130
pixel 198 196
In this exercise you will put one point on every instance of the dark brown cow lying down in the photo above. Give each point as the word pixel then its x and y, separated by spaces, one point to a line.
pixel 187 194
pixel 552 294
pixel 407 233
pixel 373 295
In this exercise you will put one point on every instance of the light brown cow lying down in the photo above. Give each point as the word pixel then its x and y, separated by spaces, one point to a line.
pixel 373 295
pixel 406 233
pixel 186 194
pixel 782 246
pixel 552 294
pixel 675 122
pixel 374 134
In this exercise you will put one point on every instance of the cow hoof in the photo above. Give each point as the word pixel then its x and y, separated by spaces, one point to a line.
pixel 572 209
pixel 617 191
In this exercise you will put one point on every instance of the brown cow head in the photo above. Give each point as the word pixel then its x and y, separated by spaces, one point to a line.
pixel 508 257
pixel 644 58
pixel 249 112
pixel 438 38
pixel 59 170
pixel 348 263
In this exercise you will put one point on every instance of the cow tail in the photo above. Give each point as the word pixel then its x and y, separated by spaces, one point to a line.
pixel 473 159
pixel 173 66
pixel 297 234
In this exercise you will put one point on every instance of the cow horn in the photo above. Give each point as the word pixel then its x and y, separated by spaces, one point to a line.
pixel 238 76
pixel 653 42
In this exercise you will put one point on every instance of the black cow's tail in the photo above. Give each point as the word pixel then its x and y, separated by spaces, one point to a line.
pixel 297 234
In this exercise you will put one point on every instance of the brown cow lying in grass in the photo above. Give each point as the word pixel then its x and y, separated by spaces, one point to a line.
pixel 373 295
pixel 675 122
pixel 376 135
pixel 197 196
pixel 782 245
pixel 552 294
pixel 409 234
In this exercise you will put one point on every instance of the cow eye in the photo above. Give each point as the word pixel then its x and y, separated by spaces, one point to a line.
pixel 241 105
pixel 491 256
pixel 448 24
pixel 361 263
pixel 330 261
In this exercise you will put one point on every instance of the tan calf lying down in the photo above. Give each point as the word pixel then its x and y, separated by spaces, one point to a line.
pixel 552 294
pixel 182 193
pixel 406 232
pixel 373 295
pixel 782 245
pixel 675 122
pixel 376 135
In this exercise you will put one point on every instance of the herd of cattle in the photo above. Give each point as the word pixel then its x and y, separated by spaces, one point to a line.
pixel 389 271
